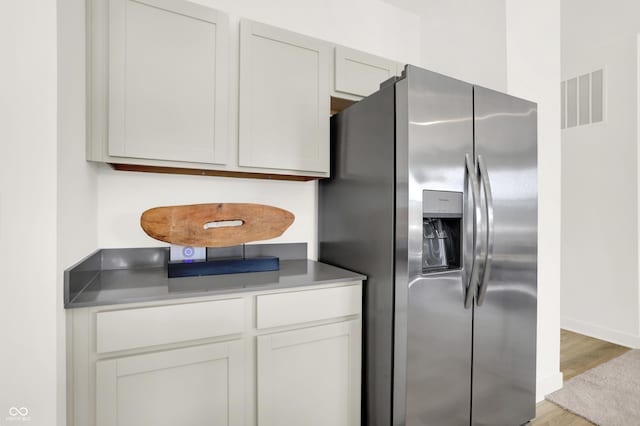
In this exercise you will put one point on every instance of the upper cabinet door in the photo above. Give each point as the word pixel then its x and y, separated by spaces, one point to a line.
pixel 284 99
pixel 168 72
pixel 360 74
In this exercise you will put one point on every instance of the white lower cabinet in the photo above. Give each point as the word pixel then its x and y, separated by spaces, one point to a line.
pixel 287 357
pixel 201 385
pixel 310 376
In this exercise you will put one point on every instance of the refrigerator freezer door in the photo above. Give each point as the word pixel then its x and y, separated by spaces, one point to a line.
pixel 434 128
pixel 356 231
pixel 504 341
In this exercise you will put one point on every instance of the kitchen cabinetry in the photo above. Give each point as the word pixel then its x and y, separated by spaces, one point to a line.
pixel 278 357
pixel 203 384
pixel 358 74
pixel 167 82
pixel 162 91
pixel 284 99
pixel 310 376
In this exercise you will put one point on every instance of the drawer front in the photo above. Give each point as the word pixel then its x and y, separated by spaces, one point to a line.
pixel 275 310
pixel 158 325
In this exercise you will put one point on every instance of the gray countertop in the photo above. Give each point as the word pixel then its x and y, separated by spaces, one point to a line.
pixel 87 285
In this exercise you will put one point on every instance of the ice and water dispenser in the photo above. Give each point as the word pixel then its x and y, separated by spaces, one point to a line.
pixel 441 230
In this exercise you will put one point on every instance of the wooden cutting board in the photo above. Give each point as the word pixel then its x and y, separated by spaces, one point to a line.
pixel 215 225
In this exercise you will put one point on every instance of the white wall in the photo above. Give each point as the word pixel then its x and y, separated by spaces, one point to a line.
pixel 589 22
pixel 599 182
pixel 28 287
pixel 370 25
pixel 123 196
pixel 77 179
pixel 463 39
pixel 533 72
pixel 600 288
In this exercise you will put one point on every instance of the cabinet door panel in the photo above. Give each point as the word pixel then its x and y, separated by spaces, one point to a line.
pixel 167 81
pixel 358 73
pixel 201 385
pixel 310 377
pixel 284 99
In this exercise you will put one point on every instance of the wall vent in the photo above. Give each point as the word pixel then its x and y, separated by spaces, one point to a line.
pixel 582 100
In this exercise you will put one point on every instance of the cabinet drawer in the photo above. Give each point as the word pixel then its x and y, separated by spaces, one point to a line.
pixel 280 309
pixel 136 328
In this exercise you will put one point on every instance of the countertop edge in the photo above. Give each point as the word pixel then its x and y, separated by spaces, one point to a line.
pixel 209 293
pixel 94 286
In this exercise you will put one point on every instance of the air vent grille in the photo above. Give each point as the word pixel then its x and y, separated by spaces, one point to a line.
pixel 582 100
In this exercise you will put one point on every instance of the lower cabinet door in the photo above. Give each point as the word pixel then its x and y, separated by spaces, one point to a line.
pixel 196 386
pixel 310 376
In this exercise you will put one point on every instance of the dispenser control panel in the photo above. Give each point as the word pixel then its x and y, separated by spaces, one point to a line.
pixel 441 230
pixel 441 203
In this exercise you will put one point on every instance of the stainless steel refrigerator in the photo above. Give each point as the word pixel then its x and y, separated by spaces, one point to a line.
pixel 433 196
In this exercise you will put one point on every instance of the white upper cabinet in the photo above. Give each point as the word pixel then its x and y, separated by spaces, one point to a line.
pixel 168 82
pixel 161 91
pixel 359 74
pixel 284 99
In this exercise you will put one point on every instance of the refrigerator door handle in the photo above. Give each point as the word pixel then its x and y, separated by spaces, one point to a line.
pixel 475 193
pixel 488 255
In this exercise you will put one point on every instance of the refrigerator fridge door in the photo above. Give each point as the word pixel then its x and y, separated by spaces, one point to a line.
pixel 504 340
pixel 432 370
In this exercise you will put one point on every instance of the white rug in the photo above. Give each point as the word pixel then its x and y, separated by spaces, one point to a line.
pixel 607 395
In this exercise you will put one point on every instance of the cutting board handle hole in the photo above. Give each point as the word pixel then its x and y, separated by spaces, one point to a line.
pixel 223 224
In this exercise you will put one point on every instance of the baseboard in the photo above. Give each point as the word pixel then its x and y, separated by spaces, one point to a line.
pixel 602 333
pixel 548 384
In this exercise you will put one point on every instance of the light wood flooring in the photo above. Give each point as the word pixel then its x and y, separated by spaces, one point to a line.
pixel 578 354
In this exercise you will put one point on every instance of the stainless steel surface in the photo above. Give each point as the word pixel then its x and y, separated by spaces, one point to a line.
pixel 472 283
pixel 488 231
pixel 438 361
pixel 401 228
pixel 79 275
pixel 442 203
pixel 218 252
pixel 356 231
pixel 428 360
pixel 285 251
pixel 504 352
pixel 134 258
pixel 147 257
